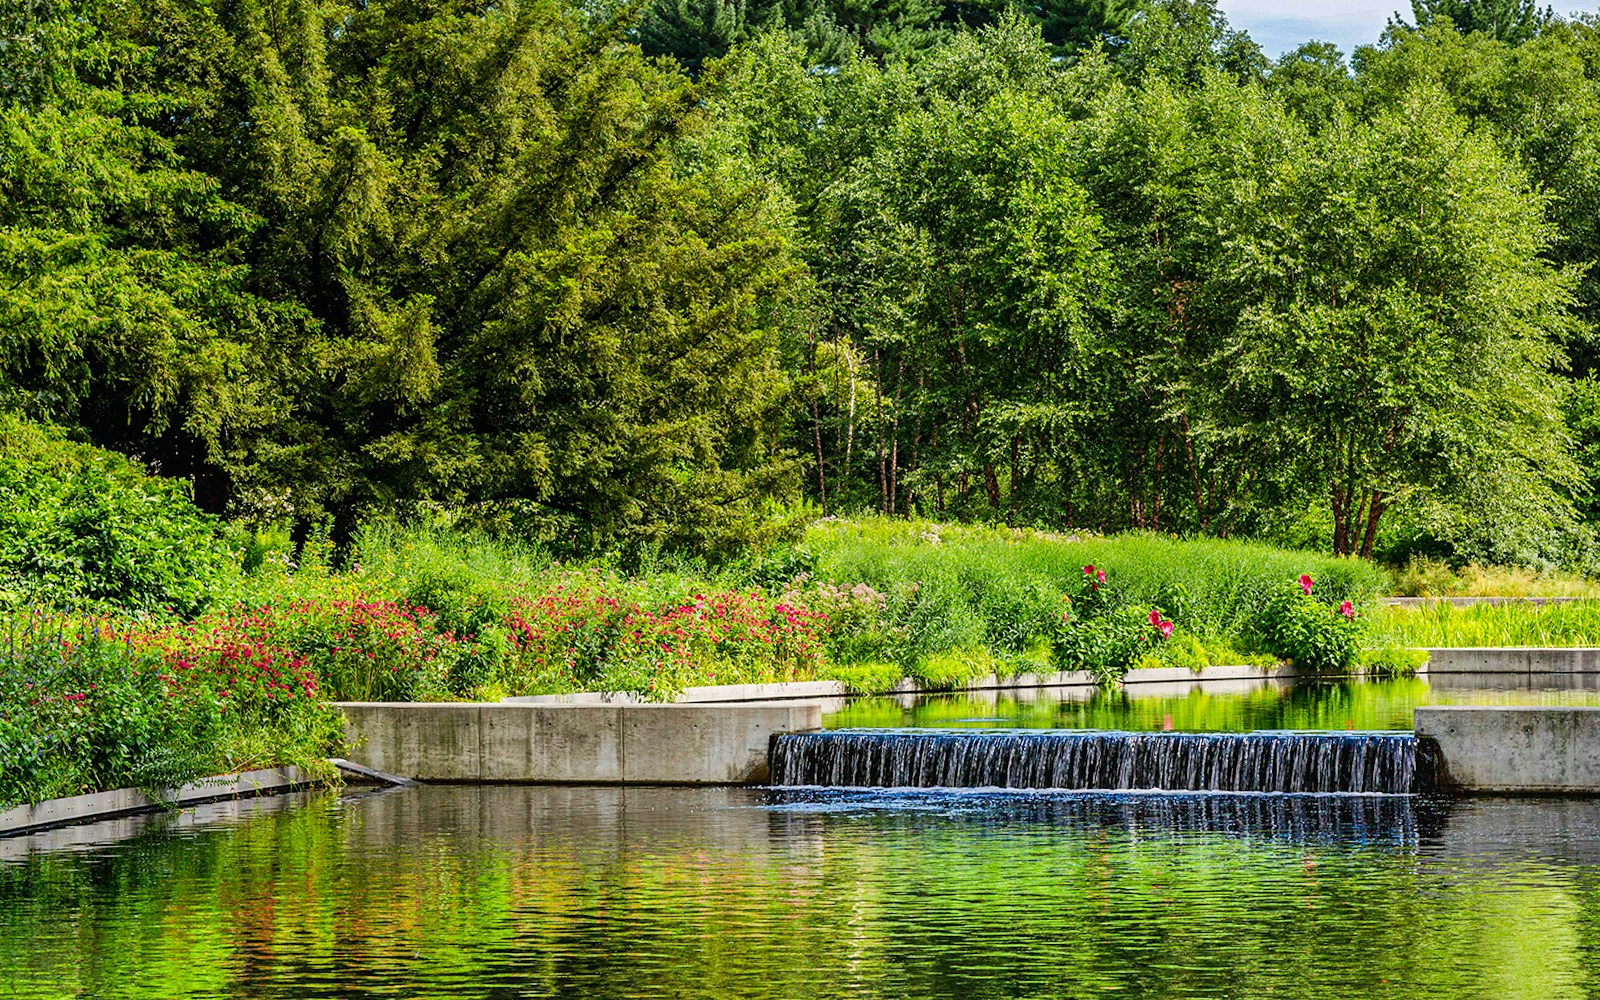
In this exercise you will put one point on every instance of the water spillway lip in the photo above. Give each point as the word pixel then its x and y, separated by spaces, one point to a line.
pixel 1041 732
pixel 955 791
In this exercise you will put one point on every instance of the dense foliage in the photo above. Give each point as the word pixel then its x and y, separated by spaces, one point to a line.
pixel 84 528
pixel 1083 264
pixel 90 704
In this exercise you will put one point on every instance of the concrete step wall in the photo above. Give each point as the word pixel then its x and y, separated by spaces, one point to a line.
pixel 128 801
pixel 1514 749
pixel 591 744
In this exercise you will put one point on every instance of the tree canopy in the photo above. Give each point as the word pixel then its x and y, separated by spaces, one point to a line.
pixel 649 275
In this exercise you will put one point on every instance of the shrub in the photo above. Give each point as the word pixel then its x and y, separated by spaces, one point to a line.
pixel 1314 635
pixel 581 635
pixel 85 528
pixel 1102 636
pixel 85 706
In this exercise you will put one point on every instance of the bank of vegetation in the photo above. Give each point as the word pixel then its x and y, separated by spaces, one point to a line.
pixel 373 349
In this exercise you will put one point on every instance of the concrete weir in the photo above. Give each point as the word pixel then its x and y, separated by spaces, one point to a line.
pixel 1514 749
pixel 582 744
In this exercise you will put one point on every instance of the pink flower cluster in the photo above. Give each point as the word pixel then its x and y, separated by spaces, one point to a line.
pixel 577 633
pixel 1160 624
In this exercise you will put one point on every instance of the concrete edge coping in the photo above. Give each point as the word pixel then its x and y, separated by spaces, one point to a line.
pixel 1467 602
pixel 128 801
pixel 727 694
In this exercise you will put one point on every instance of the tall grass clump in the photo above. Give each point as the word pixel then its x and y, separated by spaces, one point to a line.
pixel 1425 577
pixel 962 588
pixel 1443 624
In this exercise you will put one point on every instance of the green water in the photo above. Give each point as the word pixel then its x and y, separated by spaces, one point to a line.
pixel 647 893
pixel 1214 707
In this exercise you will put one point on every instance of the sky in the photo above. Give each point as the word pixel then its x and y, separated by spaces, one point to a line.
pixel 1280 25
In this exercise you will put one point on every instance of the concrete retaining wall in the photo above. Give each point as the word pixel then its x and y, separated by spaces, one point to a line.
pixel 1490 667
pixel 831 691
pixel 1467 602
pixel 1514 660
pixel 127 801
pixel 1514 749
pixel 589 744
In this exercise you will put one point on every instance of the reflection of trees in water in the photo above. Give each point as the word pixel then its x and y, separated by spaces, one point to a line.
pixel 1362 705
pixel 743 893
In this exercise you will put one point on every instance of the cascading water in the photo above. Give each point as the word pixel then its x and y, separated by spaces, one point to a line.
pixel 1380 762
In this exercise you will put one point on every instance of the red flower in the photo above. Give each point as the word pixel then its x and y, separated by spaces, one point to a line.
pixel 1347 610
pixel 1089 570
pixel 1166 629
pixel 1305 582
pixel 1155 617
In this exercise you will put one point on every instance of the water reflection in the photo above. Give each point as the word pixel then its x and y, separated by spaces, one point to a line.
pixel 1216 706
pixel 652 892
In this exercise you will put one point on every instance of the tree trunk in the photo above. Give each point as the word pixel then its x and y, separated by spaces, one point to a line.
pixel 1374 512
pixel 822 481
pixel 1341 522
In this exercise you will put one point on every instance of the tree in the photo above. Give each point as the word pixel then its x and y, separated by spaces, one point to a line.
pixel 472 258
pixel 1398 326
pixel 124 306
pixel 1509 21
pixel 965 259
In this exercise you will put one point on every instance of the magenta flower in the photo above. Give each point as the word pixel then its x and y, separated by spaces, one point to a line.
pixel 1100 576
pixel 1347 610
pixel 1166 629
pixel 1155 617
pixel 1089 570
pixel 1305 582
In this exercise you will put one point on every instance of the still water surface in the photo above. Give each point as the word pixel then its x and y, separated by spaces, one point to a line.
pixel 598 893
pixel 1212 707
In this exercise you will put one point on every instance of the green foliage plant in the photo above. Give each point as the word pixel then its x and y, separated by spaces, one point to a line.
pixel 84 527
pixel 1103 636
pixel 88 704
pixel 1309 632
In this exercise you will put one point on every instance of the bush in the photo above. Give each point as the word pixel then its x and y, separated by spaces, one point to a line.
pixel 86 707
pixel 82 527
pixel 954 587
pixel 1099 634
pixel 1314 635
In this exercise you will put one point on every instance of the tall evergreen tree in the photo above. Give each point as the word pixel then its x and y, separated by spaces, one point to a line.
pixel 1509 21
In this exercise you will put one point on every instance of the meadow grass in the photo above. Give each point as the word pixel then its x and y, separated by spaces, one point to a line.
pixel 1424 577
pixel 1443 624
pixel 967 576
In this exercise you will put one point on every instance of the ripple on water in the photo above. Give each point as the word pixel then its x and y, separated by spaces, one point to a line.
pixel 597 893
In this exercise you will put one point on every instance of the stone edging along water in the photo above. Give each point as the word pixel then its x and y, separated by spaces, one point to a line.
pixel 786 690
pixel 128 801
pixel 1451 664
pixel 1467 602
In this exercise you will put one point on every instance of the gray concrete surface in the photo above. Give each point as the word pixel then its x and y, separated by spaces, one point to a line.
pixel 127 801
pixel 1467 602
pixel 1514 749
pixel 1513 660
pixel 604 744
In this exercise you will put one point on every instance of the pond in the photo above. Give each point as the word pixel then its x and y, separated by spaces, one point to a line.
pixel 1224 706
pixel 596 893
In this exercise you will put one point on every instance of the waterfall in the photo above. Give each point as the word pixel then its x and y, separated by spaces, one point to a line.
pixel 1272 761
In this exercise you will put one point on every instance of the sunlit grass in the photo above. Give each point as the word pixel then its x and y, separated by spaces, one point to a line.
pixel 1444 624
